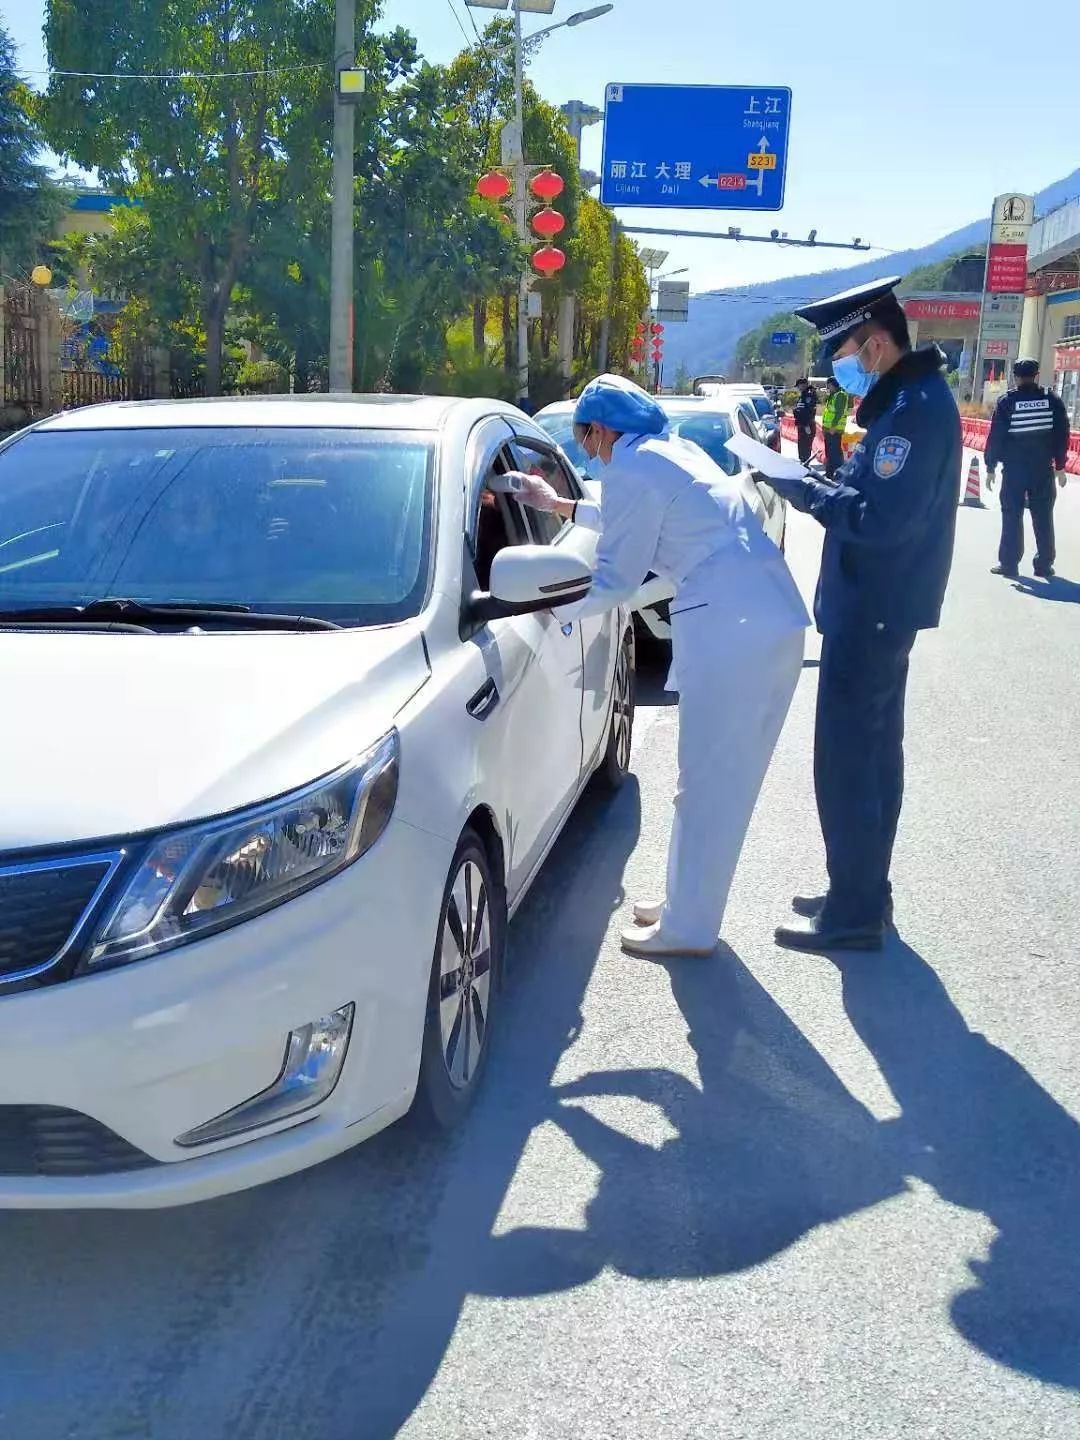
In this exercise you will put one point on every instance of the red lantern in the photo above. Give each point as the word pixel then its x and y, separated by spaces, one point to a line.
pixel 639 328
pixel 657 329
pixel 548 222
pixel 658 355
pixel 548 260
pixel 493 186
pixel 547 185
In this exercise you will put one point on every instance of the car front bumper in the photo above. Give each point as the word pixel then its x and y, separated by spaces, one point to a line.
pixel 153 1049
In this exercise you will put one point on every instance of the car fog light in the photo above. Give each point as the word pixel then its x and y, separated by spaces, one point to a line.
pixel 314 1055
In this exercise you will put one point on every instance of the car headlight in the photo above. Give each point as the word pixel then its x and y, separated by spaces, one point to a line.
pixel 205 877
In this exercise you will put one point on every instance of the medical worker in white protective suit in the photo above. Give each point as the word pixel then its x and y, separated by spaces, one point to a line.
pixel 737 623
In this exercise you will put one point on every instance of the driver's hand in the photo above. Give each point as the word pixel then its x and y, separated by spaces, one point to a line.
pixel 1062 476
pixel 536 492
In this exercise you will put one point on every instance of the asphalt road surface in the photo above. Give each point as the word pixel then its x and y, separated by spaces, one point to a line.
pixel 761 1196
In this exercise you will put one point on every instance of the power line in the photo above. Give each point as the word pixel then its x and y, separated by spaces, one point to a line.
pixel 472 22
pixel 175 74
pixel 460 26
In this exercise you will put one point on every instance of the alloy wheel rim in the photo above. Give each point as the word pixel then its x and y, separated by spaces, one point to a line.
pixel 624 715
pixel 465 975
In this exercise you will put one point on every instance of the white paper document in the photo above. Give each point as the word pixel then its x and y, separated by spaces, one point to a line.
pixel 760 457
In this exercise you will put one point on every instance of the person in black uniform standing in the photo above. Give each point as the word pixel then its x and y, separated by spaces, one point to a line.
pixel 889 521
pixel 1029 434
pixel 804 413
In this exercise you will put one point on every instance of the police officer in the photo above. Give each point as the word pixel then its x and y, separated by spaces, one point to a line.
pixel 804 413
pixel 889 524
pixel 1030 436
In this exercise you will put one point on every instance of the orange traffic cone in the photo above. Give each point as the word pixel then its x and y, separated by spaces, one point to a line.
pixel 972 490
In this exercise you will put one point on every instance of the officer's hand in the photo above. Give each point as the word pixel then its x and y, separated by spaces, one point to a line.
pixel 1062 476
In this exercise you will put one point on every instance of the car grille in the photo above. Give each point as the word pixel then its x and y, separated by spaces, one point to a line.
pixel 45 1141
pixel 40 906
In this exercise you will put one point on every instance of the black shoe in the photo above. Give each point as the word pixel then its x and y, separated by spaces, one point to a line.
pixel 811 906
pixel 821 937
pixel 1004 570
pixel 1044 572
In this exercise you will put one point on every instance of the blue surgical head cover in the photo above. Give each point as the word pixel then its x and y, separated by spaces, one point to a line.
pixel 620 405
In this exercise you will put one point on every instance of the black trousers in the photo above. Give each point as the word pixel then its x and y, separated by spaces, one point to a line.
pixel 805 443
pixel 859 766
pixel 1037 494
pixel 834 452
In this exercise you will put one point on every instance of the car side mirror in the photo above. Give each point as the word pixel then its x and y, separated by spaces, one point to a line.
pixel 529 578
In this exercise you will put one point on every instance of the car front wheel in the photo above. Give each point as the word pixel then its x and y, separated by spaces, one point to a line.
pixel 463 991
pixel 615 765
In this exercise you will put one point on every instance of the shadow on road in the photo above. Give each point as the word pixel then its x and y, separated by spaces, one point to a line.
pixel 986 1136
pixel 770 1146
pixel 773 1145
pixel 1067 591
pixel 321 1305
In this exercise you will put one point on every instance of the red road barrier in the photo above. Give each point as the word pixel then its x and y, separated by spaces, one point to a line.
pixel 975 435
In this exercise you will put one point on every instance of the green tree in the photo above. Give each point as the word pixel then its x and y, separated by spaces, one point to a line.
pixel 756 347
pixel 211 160
pixel 29 201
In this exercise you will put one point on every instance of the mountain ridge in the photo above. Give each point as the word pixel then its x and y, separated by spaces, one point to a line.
pixel 718 318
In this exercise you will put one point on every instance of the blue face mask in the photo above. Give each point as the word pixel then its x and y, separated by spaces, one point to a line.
pixel 852 376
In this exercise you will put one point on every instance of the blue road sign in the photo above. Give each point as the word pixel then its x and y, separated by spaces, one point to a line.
pixel 783 337
pixel 696 147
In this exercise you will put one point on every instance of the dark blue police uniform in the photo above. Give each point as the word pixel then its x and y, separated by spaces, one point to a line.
pixel 1029 435
pixel 889 523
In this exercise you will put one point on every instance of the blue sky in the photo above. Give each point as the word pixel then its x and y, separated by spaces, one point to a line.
pixel 902 128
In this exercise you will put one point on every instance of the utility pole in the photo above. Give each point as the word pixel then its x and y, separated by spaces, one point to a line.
pixel 521 210
pixel 341 211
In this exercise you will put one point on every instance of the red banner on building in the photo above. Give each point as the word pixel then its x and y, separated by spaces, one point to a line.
pixel 1006 273
pixel 941 309
pixel 1067 357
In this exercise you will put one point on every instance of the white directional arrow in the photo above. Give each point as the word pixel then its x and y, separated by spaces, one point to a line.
pixel 709 180
pixel 763 148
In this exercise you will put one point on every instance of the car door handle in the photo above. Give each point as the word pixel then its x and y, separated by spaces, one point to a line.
pixel 484 701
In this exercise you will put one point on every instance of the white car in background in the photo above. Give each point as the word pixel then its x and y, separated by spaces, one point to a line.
pixel 709 421
pixel 291 725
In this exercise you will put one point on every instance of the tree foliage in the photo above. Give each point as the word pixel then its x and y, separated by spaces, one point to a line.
pixel 755 348
pixel 29 202
pixel 233 182
pixel 211 160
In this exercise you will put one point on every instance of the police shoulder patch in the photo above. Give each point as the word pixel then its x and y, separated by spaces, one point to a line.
pixel 890 456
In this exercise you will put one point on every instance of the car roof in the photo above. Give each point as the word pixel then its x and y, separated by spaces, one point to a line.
pixel 361 412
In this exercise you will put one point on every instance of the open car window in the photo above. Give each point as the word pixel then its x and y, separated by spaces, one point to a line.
pixel 535 459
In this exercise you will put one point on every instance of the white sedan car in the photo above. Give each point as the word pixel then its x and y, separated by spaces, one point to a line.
pixel 290 726
pixel 709 421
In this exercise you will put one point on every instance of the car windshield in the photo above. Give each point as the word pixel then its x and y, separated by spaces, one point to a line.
pixel 330 523
pixel 764 407
pixel 561 430
pixel 709 429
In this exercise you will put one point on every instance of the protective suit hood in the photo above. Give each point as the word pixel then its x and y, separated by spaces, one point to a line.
pixel 621 405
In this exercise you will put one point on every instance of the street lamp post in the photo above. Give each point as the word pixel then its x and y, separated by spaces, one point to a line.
pixel 517 157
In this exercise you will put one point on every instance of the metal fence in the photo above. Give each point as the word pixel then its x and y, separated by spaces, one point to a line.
pixel 23 381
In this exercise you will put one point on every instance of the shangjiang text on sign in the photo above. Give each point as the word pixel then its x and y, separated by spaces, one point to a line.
pixel 696 147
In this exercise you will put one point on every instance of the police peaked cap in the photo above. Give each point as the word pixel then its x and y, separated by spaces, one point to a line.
pixel 621 405
pixel 839 316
